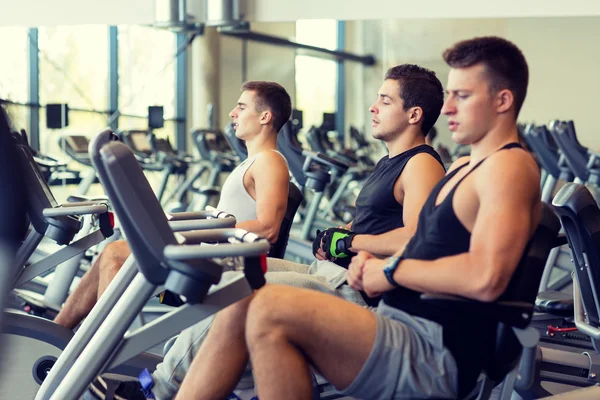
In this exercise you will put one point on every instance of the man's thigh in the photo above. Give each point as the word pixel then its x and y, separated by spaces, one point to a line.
pixel 408 360
pixel 335 335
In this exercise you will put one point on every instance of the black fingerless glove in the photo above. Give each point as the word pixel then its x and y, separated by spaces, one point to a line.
pixel 317 242
pixel 337 243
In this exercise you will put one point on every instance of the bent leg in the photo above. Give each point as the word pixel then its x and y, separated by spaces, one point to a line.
pixel 221 358
pixel 364 354
pixel 287 328
pixel 113 257
pixel 170 373
pixel 82 300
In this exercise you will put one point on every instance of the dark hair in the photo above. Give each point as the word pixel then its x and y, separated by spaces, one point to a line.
pixel 273 96
pixel 504 62
pixel 419 87
pixel 432 133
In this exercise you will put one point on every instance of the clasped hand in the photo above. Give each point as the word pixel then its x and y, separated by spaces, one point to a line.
pixel 365 273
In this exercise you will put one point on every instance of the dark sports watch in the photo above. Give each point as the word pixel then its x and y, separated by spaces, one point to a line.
pixel 390 267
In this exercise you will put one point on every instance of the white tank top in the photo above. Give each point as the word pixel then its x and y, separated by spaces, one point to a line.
pixel 235 199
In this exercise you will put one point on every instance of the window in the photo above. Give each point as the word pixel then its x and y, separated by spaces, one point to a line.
pixel 146 70
pixel 18 115
pixel 74 66
pixel 14 74
pixel 73 70
pixel 316 78
pixel 14 71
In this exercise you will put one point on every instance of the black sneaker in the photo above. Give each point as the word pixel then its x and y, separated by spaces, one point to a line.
pixel 104 389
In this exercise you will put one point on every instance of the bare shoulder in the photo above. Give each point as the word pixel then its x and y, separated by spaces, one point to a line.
pixel 422 163
pixel 513 170
pixel 270 163
pixel 459 163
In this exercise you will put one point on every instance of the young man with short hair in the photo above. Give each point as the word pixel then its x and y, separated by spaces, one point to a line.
pixel 255 192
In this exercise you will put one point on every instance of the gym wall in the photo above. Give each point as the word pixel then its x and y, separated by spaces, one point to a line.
pixel 561 52
pixel 218 65
pixel 263 62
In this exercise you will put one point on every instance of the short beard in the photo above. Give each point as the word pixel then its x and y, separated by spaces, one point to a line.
pixel 383 136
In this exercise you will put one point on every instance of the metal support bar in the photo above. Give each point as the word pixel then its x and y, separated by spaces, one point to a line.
pixel 550 263
pixel 199 251
pixel 34 89
pixel 579 313
pixel 27 248
pixel 6 266
pixel 368 60
pixel 102 344
pixel 189 182
pixel 299 248
pixel 194 224
pixel 90 178
pixel 58 288
pixel 181 92
pixel 75 210
pixel 59 257
pixel 179 319
pixel 310 215
pixel 166 173
pixel 340 115
pixel 339 192
pixel 88 328
pixel 113 76
pixel 548 189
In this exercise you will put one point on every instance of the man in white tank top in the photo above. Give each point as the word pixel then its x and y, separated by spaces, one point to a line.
pixel 256 191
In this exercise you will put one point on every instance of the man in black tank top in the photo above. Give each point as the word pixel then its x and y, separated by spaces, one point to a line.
pixel 471 234
pixel 390 200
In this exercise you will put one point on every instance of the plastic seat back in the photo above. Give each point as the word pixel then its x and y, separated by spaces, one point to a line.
pixel 295 198
pixel 140 214
pixel 580 217
pixel 291 148
pixel 523 287
pixel 575 154
pixel 62 229
pixel 539 140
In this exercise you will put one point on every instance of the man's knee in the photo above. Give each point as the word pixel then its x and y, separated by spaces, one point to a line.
pixel 114 255
pixel 268 313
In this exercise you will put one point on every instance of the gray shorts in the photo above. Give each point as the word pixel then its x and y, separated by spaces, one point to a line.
pixel 408 360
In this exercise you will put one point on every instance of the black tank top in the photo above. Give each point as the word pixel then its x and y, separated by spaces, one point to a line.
pixel 440 234
pixel 377 210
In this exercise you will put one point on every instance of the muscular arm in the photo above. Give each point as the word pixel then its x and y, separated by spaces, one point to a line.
pixel 412 188
pixel 507 215
pixel 271 177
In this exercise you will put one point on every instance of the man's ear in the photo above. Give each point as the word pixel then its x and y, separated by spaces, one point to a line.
pixel 266 117
pixel 504 100
pixel 415 115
